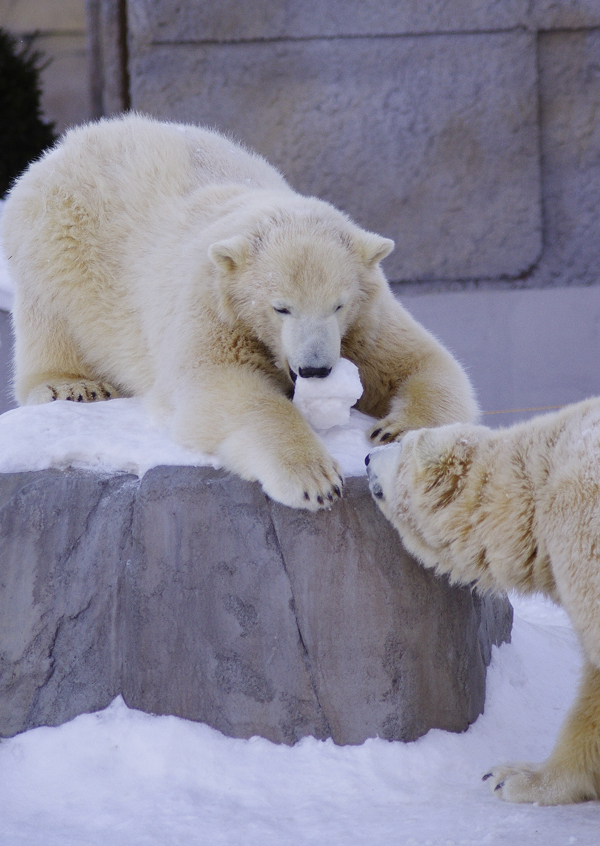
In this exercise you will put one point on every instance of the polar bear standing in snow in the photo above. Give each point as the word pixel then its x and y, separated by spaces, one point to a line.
pixel 515 508
pixel 165 261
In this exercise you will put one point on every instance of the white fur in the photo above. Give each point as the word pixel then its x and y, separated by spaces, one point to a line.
pixel 166 261
pixel 514 509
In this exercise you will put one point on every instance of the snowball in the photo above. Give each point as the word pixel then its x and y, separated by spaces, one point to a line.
pixel 327 402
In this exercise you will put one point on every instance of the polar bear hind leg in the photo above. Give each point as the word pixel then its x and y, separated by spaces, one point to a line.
pixel 48 367
pixel 572 772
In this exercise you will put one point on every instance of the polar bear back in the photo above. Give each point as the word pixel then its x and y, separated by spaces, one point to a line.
pixel 136 161
pixel 107 210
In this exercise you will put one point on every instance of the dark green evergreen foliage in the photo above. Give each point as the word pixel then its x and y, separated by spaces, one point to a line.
pixel 24 135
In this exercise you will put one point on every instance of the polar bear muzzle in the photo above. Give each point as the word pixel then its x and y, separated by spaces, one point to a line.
pixel 382 462
pixel 311 346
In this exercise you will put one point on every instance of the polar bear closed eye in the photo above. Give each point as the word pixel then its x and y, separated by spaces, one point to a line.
pixel 165 261
pixel 519 509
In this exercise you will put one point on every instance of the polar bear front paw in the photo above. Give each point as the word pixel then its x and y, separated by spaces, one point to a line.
pixel 313 486
pixel 323 492
pixel 387 430
pixel 543 785
pixel 81 390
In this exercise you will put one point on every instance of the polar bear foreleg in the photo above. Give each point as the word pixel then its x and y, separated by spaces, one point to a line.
pixel 411 381
pixel 572 772
pixel 240 416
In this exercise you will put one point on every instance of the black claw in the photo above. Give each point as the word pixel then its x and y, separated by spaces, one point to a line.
pixel 486 776
pixel 337 490
pixel 386 437
pixel 367 459
pixel 499 786
pixel 80 398
pixel 93 395
pixel 69 399
pixel 375 433
pixel 306 495
pixel 320 499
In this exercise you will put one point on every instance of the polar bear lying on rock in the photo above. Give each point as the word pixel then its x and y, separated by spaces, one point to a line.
pixel 165 261
pixel 519 509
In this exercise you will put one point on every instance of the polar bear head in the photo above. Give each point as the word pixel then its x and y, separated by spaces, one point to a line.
pixel 426 485
pixel 298 280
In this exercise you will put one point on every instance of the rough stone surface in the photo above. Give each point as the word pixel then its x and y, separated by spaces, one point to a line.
pixel 107 45
pixel 61 542
pixel 443 160
pixel 570 148
pixel 563 14
pixel 191 593
pixel 384 637
pixel 174 22
pixel 208 558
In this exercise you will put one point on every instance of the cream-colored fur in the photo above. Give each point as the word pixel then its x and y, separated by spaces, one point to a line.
pixel 165 261
pixel 515 508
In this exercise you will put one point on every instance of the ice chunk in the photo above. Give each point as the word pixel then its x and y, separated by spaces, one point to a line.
pixel 327 402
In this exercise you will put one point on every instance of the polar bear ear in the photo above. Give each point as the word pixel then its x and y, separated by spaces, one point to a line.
pixel 373 248
pixel 445 447
pixel 444 459
pixel 229 255
pixel 428 450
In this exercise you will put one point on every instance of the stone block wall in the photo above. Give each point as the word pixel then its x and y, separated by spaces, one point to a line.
pixel 465 131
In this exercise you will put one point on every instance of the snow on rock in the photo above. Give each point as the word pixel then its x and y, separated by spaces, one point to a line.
pixel 120 436
pixel 326 403
pixel 113 436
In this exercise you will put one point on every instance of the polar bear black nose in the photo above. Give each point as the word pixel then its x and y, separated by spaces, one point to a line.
pixel 314 372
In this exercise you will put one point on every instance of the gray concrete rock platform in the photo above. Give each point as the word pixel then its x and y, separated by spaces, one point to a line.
pixel 190 593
